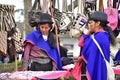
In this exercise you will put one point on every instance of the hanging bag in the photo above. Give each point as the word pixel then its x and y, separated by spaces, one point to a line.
pixel 18 41
pixel 110 72
pixel 90 1
pixel 89 7
pixel 34 13
pixel 13 32
pixel 112 14
pixel 3 34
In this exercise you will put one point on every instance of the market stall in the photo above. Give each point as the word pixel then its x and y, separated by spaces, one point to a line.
pixel 34 75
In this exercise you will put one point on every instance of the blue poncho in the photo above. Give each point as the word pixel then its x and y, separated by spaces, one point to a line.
pixel 36 38
pixel 96 67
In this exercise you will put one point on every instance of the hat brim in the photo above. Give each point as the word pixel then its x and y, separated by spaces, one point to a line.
pixel 99 20
pixel 43 22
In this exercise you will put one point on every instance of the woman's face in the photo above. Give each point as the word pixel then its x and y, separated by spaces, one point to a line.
pixel 93 25
pixel 44 28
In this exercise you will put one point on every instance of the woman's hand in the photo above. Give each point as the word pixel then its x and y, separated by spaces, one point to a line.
pixel 24 69
pixel 80 59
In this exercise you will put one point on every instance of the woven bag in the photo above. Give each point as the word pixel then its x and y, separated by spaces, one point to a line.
pixel 3 37
pixel 18 41
pixel 3 42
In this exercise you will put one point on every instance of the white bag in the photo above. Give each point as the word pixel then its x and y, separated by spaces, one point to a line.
pixel 110 72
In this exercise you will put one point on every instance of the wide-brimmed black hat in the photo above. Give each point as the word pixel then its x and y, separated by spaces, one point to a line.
pixel 45 18
pixel 100 16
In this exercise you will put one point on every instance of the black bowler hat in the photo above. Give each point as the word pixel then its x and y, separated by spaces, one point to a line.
pixel 45 18
pixel 100 16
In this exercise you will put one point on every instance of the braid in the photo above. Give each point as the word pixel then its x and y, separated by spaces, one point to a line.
pixel 110 32
pixel 51 40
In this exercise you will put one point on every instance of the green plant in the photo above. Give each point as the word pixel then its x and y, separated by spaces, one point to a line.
pixel 9 67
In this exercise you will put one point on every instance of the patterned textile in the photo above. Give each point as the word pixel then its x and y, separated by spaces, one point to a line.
pixel 3 42
pixel 17 40
pixel 33 75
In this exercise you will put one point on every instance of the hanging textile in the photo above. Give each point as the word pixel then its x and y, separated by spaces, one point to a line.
pixel 112 16
pixel 14 34
pixel 89 8
pixel 3 34
pixel 63 19
pixel 34 13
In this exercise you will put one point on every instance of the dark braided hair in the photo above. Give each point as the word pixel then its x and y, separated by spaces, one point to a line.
pixel 109 30
pixel 51 40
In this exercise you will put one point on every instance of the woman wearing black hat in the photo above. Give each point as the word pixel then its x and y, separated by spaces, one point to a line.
pixel 95 64
pixel 40 50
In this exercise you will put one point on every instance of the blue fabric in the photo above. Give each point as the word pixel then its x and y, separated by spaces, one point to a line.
pixel 95 63
pixel 37 39
pixel 117 57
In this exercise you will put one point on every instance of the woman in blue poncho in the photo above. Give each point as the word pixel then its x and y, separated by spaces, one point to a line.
pixel 40 49
pixel 95 64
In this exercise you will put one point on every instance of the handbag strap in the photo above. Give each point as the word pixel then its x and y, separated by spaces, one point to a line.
pixel 109 3
pixel 98 46
pixel 36 5
pixel 110 6
pixel 64 6
pixel 118 4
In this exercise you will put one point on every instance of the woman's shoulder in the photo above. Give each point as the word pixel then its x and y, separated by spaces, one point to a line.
pixel 35 32
pixel 102 37
pixel 101 34
pixel 33 35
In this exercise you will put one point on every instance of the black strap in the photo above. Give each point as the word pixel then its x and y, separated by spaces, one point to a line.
pixel 36 5
pixel 53 3
pixel 118 4
pixel 39 7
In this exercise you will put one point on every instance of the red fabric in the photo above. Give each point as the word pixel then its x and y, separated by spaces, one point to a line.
pixel 76 71
pixel 116 71
pixel 81 42
pixel 26 53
